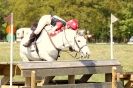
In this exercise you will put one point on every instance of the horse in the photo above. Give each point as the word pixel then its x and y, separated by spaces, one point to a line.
pixel 48 46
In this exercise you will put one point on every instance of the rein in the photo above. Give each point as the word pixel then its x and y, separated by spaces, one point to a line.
pixel 53 43
pixel 63 42
pixel 78 45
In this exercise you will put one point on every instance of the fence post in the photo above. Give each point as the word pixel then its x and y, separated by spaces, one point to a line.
pixel 71 79
pixel 33 79
pixel 114 77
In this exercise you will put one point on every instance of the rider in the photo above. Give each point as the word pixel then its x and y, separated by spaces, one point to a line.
pixel 45 20
pixel 73 24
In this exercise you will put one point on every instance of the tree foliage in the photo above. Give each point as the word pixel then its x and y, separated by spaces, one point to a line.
pixel 93 15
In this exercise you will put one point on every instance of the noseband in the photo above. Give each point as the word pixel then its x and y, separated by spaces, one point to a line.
pixel 80 48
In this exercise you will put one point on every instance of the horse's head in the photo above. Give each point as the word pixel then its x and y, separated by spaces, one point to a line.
pixel 80 45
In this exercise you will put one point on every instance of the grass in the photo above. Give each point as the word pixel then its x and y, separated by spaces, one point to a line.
pixel 122 52
pixel 5 52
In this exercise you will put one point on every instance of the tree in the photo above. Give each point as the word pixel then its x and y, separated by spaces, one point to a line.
pixel 3 11
pixel 92 15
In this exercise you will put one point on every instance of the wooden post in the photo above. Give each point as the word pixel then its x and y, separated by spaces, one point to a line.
pixel 33 79
pixel 27 81
pixel 71 79
pixel 108 77
pixel 114 78
pixel 131 79
pixel 0 84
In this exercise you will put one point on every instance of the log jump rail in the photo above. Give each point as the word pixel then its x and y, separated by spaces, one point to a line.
pixel 31 70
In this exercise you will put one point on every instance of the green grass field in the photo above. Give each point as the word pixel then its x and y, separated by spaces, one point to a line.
pixel 122 52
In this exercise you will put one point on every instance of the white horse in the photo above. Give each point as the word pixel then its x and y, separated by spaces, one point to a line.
pixel 48 47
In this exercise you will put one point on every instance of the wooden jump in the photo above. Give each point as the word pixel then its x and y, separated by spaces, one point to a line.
pixel 126 76
pixel 5 71
pixel 86 68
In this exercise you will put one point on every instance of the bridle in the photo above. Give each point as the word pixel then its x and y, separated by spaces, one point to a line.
pixel 75 42
pixel 80 48
pixel 53 43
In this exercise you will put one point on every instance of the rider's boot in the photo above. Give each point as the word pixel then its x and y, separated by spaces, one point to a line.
pixel 31 39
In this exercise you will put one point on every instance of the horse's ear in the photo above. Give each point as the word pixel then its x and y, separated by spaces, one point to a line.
pixel 86 36
pixel 80 32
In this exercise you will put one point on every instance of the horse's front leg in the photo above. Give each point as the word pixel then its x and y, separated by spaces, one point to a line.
pixel 47 57
pixel 24 57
